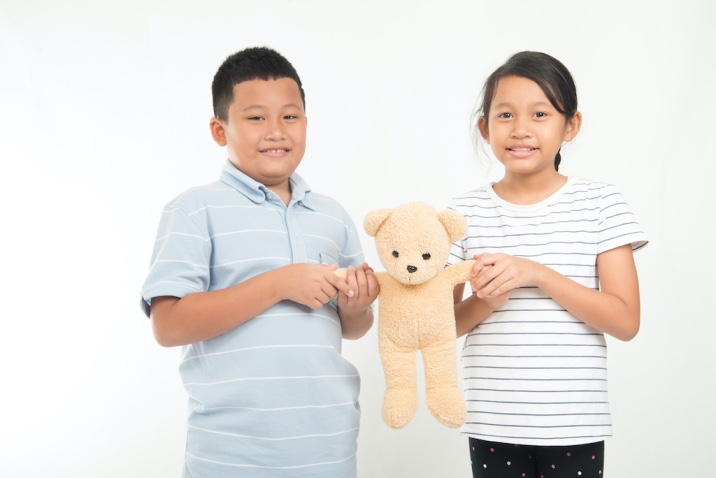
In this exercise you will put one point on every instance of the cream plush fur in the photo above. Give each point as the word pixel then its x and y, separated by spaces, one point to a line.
pixel 415 309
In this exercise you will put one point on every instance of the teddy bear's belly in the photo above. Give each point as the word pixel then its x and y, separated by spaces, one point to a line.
pixel 417 319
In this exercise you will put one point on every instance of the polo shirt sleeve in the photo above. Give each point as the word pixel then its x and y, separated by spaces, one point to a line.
pixel 617 224
pixel 352 253
pixel 181 259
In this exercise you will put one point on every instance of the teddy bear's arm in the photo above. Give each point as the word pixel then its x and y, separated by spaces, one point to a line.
pixel 459 273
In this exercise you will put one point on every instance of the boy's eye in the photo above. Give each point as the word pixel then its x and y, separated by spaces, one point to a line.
pixel 426 256
pixel 290 117
pixel 395 254
pixel 255 118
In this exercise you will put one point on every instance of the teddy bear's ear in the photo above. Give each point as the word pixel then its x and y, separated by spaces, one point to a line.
pixel 374 219
pixel 454 223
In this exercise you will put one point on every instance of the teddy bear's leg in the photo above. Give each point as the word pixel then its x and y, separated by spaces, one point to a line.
pixel 442 394
pixel 401 394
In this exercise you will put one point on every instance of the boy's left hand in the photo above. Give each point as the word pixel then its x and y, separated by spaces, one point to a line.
pixel 365 288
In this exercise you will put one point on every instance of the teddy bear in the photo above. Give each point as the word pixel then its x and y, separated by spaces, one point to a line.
pixel 415 309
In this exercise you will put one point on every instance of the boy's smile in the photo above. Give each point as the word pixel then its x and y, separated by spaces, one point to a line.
pixel 265 135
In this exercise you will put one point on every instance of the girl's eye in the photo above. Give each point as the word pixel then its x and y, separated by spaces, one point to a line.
pixel 540 114
pixel 504 115
pixel 395 254
pixel 290 117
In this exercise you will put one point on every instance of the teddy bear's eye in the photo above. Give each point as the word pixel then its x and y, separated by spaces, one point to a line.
pixel 426 256
pixel 395 254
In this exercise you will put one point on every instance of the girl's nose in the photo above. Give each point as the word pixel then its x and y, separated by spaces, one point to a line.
pixel 521 129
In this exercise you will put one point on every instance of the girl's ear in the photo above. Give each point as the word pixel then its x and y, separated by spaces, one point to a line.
pixel 573 127
pixel 218 132
pixel 482 128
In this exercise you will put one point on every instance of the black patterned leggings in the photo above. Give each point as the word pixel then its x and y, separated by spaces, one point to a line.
pixel 501 460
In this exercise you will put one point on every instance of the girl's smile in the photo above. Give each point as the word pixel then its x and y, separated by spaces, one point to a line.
pixel 524 129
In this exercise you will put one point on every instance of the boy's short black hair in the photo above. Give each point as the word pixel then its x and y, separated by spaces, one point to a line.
pixel 255 63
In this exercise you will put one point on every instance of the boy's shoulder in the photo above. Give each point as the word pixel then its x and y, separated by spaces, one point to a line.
pixel 200 196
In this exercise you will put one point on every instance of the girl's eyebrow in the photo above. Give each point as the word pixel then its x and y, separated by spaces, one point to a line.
pixel 506 104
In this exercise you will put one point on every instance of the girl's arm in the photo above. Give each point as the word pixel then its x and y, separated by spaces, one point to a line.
pixel 614 309
pixel 204 315
pixel 472 311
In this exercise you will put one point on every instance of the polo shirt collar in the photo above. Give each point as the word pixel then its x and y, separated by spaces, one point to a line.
pixel 257 192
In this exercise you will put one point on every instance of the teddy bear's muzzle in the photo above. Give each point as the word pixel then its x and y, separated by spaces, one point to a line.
pixel 412 269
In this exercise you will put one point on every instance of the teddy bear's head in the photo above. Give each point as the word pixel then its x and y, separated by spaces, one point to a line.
pixel 413 240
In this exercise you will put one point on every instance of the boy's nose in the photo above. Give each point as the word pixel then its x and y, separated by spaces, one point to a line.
pixel 412 269
pixel 275 131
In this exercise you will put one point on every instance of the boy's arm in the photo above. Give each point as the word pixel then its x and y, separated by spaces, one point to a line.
pixel 204 315
pixel 355 312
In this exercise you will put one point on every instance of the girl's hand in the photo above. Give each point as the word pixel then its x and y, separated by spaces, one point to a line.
pixel 497 274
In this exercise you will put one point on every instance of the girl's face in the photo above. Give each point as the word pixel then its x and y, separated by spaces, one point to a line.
pixel 523 128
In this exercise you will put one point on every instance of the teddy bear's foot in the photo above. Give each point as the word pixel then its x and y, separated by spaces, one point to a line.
pixel 399 406
pixel 447 405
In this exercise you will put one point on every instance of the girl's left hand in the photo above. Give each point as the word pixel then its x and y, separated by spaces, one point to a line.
pixel 500 273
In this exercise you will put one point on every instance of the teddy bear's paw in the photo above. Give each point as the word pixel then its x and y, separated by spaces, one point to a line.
pixel 399 406
pixel 447 405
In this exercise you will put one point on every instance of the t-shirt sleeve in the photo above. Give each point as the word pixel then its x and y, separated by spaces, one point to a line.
pixel 457 249
pixel 617 224
pixel 180 260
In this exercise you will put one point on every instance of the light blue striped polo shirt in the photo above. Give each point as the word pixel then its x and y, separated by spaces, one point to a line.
pixel 272 397
pixel 533 373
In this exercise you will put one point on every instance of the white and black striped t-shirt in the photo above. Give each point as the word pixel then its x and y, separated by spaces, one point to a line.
pixel 533 373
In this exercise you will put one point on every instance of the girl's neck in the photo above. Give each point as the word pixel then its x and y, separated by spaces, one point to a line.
pixel 523 190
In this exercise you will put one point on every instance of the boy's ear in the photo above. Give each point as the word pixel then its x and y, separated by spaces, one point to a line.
pixel 218 131
pixel 482 128
pixel 573 127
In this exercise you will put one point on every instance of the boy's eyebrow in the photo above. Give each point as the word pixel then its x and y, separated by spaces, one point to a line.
pixel 260 107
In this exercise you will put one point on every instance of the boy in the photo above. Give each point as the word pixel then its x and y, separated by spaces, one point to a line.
pixel 240 278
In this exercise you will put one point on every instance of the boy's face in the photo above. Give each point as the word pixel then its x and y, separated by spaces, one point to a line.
pixel 265 135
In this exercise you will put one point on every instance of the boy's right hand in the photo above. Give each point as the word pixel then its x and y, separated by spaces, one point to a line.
pixel 312 285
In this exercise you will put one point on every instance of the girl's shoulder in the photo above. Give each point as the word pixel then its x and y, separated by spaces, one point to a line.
pixel 589 185
pixel 473 196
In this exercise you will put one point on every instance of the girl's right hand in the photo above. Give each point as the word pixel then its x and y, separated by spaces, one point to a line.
pixel 497 274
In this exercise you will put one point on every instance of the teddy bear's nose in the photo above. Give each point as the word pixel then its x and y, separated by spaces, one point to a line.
pixel 412 269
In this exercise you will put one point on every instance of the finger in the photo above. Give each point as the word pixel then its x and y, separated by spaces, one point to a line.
pixel 373 285
pixel 486 275
pixel 340 284
pixel 361 285
pixel 351 278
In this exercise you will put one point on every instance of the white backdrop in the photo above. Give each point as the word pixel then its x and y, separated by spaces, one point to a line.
pixel 104 110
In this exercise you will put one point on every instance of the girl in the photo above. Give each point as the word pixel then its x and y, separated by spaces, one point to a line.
pixel 554 271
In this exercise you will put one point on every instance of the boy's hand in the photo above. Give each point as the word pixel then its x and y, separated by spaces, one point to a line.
pixel 364 285
pixel 313 285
